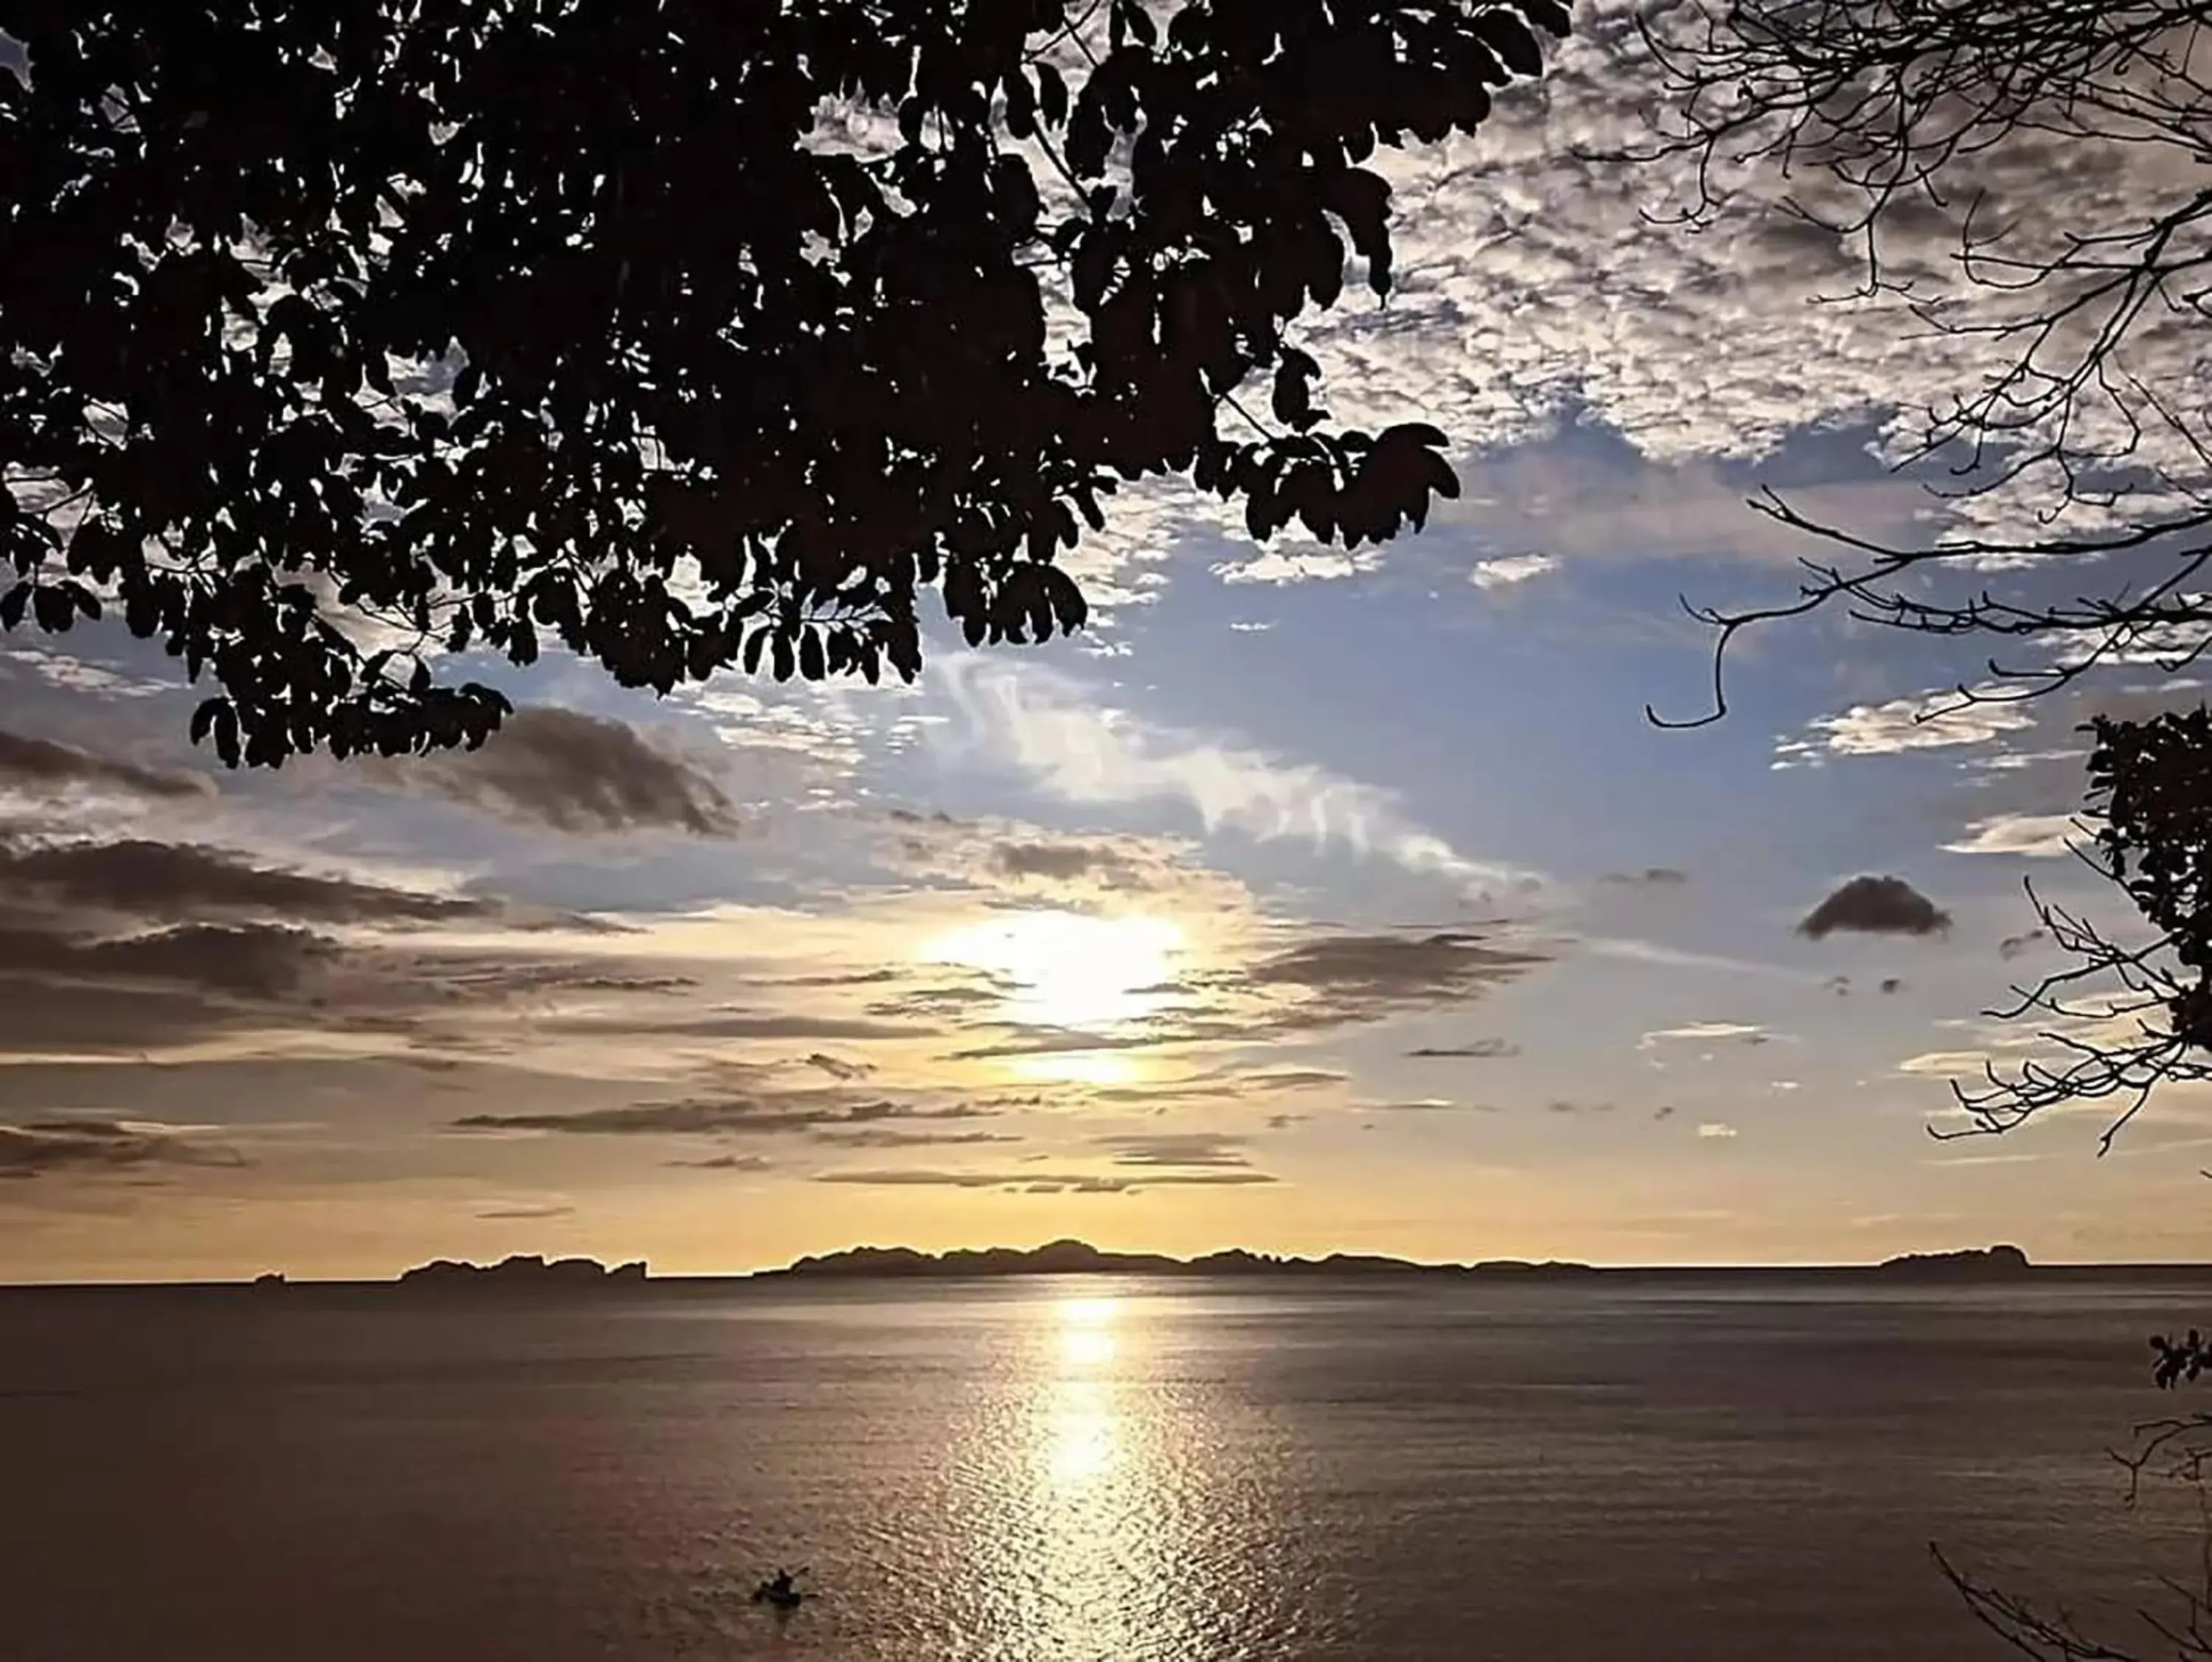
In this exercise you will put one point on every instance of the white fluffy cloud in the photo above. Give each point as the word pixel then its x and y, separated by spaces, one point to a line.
pixel 1509 570
pixel 2038 835
pixel 1930 721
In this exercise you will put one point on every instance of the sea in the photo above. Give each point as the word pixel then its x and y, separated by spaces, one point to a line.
pixel 1078 1468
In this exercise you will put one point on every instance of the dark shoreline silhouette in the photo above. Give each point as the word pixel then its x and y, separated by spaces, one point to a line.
pixel 531 1276
pixel 1986 1264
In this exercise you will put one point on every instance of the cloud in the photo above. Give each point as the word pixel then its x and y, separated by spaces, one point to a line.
pixel 739 1024
pixel 1291 1078
pixel 723 1116
pixel 1511 570
pixel 1707 1032
pixel 1051 1041
pixel 1176 1148
pixel 886 1136
pixel 837 1068
pixel 1930 720
pixel 526 1212
pixel 1875 905
pixel 1651 877
pixel 726 1163
pixel 1475 1048
pixel 1561 1105
pixel 576 774
pixel 42 767
pixel 1074 745
pixel 1352 977
pixel 40 1148
pixel 1045 1183
pixel 259 960
pixel 2036 835
pixel 2014 945
pixel 1003 856
pixel 1713 1130
pixel 1947 1064
pixel 1299 564
pixel 179 882
pixel 1062 863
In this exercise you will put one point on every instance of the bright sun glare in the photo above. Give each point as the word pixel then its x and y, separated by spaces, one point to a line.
pixel 1065 969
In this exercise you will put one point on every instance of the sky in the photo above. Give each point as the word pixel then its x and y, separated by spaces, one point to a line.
pixel 1308 901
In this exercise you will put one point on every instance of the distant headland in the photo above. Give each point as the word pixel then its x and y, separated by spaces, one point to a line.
pixel 1986 1264
pixel 523 1273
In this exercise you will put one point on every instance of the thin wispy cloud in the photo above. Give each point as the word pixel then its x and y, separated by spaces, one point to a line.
pixel 1071 742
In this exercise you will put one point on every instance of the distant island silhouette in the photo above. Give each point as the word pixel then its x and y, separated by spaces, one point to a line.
pixel 1074 1257
pixel 522 1273
pixel 1987 1263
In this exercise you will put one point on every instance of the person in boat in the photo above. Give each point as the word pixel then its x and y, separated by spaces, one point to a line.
pixel 780 1588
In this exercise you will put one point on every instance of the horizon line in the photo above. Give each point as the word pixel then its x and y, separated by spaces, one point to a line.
pixel 1504 1265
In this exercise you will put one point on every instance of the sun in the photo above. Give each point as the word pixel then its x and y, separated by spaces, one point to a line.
pixel 1067 970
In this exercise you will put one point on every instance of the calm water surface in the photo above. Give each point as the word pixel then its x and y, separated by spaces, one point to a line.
pixel 1068 1469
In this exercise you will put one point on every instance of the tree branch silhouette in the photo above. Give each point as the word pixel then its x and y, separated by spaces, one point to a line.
pixel 341 339
pixel 2061 460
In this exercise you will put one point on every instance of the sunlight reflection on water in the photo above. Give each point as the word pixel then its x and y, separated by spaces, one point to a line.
pixel 1088 1547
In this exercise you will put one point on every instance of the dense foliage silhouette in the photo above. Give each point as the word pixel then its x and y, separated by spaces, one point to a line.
pixel 338 336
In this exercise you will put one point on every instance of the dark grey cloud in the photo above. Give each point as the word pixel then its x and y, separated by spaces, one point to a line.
pixel 726 1163
pixel 526 1213
pixel 739 1024
pixel 1474 1050
pixel 1283 1122
pixel 577 774
pixel 186 883
pixel 1651 877
pixel 256 960
pixel 1353 978
pixel 45 767
pixel 725 1116
pixel 1034 1182
pixel 943 1003
pixel 38 1148
pixel 837 1068
pixel 1293 1079
pixel 2014 945
pixel 1875 905
pixel 892 1136
pixel 1066 862
pixel 1171 1149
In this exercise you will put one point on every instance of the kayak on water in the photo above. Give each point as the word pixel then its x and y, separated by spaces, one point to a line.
pixel 781 1590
